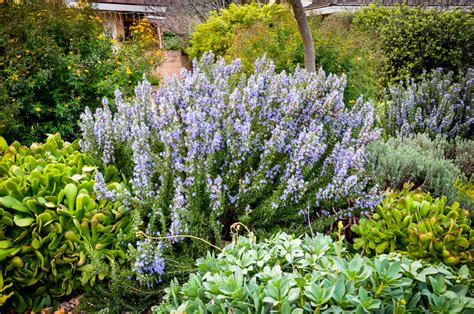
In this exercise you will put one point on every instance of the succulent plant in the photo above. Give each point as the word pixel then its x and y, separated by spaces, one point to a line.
pixel 419 226
pixel 3 294
pixel 287 274
pixel 54 234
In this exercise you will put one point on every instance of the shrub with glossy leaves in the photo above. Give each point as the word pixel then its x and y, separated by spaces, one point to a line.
pixel 286 274
pixel 416 39
pixel 437 105
pixel 56 234
pixel 420 226
pixel 216 147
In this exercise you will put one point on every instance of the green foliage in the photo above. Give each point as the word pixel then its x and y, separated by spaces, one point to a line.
pixel 55 236
pixel 416 159
pixel 466 189
pixel 466 193
pixel 460 151
pixel 415 39
pixel 121 294
pixel 3 293
pixel 54 61
pixel 413 223
pixel 292 275
pixel 218 31
pixel 173 42
pixel 278 38
pixel 341 48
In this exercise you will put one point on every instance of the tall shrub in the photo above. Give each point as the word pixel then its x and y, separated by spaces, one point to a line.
pixel 279 40
pixel 415 39
pixel 218 31
pixel 215 147
pixel 54 60
pixel 340 48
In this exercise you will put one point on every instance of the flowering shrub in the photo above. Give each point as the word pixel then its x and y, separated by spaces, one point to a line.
pixel 216 147
pixel 54 60
pixel 436 105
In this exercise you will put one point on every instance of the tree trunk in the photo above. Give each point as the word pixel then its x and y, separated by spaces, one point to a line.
pixel 303 26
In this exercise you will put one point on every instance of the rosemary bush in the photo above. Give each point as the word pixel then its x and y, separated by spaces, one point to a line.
pixel 216 147
pixel 436 105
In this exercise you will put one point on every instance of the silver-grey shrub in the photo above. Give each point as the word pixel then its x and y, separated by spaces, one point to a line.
pixel 417 159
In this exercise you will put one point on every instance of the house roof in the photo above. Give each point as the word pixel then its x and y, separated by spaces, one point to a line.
pixel 154 7
pixel 321 7
pixel 138 2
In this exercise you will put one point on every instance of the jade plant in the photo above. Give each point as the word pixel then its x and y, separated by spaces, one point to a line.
pixel 417 225
pixel 4 294
pixel 287 274
pixel 55 234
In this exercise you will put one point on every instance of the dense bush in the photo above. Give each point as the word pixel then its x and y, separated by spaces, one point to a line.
pixel 415 39
pixel 278 39
pixel 217 33
pixel 341 48
pixel 55 235
pixel 436 105
pixel 292 275
pixel 54 60
pixel 460 151
pixel 419 226
pixel 217 147
pixel 416 159
pixel 466 190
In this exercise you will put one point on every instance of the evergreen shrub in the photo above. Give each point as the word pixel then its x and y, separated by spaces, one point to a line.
pixel 414 159
pixel 216 147
pixel 418 39
pixel 437 105
pixel 55 60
